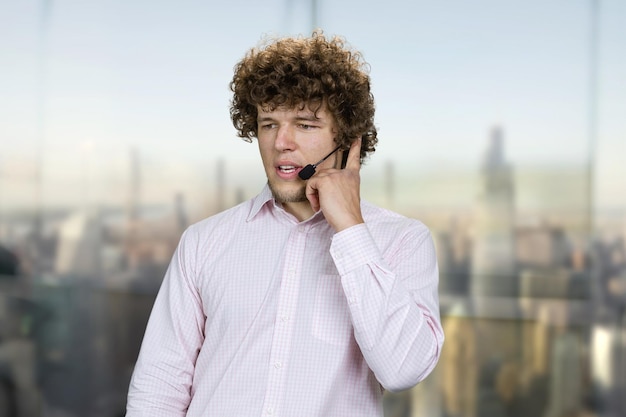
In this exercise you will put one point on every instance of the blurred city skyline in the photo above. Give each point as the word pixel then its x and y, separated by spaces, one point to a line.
pixel 501 127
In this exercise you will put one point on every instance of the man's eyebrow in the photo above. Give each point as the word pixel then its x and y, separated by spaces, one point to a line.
pixel 308 116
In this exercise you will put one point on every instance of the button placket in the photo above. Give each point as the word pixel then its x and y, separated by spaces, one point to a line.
pixel 283 330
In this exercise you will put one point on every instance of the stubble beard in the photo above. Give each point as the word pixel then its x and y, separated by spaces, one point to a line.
pixel 288 196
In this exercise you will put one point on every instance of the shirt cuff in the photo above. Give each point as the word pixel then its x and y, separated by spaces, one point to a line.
pixel 352 248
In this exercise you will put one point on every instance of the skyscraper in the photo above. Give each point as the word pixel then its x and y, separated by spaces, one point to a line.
pixel 134 190
pixel 493 257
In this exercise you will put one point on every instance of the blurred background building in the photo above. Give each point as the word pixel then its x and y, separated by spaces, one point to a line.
pixel 501 127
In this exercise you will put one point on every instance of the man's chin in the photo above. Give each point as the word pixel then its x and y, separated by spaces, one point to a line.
pixel 288 195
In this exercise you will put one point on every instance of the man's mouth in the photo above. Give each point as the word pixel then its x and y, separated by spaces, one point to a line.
pixel 287 169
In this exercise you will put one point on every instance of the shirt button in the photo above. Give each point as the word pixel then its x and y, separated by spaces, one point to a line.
pixel 352 300
pixel 270 411
pixel 278 365
pixel 284 318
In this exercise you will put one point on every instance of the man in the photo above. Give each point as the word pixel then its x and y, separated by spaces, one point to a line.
pixel 305 300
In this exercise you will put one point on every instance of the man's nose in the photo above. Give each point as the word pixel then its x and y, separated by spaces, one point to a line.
pixel 285 138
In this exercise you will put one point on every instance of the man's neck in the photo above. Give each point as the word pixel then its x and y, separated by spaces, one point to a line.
pixel 301 210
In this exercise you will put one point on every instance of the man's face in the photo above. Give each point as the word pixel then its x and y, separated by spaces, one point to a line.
pixel 289 139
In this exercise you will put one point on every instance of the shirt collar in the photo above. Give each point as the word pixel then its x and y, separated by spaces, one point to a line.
pixel 259 201
pixel 265 198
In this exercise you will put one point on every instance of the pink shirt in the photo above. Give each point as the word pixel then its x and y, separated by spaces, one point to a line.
pixel 262 315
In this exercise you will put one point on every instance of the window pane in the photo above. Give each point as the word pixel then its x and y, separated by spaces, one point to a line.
pixel 501 127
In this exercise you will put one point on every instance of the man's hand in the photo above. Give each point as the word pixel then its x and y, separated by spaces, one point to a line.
pixel 338 191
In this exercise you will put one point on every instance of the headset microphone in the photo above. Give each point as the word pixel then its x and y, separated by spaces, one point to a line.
pixel 308 171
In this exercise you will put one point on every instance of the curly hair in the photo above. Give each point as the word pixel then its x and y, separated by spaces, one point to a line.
pixel 313 71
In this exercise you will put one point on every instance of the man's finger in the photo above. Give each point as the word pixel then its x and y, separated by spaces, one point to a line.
pixel 312 196
pixel 354 155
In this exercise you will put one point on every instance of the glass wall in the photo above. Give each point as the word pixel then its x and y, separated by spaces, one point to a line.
pixel 501 127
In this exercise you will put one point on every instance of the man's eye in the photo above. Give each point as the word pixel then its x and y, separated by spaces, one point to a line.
pixel 306 126
pixel 268 126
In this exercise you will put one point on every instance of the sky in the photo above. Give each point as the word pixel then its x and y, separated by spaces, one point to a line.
pixel 83 83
